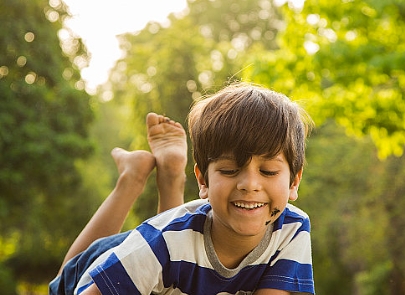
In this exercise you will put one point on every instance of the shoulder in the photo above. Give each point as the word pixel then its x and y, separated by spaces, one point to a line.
pixel 291 253
pixel 295 212
pixel 292 222
pixel 189 215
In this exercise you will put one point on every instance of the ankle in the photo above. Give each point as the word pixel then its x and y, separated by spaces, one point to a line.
pixel 131 180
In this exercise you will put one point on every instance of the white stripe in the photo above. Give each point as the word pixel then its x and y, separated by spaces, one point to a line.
pixel 162 220
pixel 297 210
pixel 281 241
pixel 195 254
pixel 298 250
pixel 86 279
pixel 138 258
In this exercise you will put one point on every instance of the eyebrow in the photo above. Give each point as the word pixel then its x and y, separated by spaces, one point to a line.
pixel 223 157
pixel 232 158
pixel 275 158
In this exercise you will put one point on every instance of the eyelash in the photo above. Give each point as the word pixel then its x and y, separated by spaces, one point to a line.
pixel 228 172
pixel 233 172
pixel 269 173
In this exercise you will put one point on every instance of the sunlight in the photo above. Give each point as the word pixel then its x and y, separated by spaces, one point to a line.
pixel 99 22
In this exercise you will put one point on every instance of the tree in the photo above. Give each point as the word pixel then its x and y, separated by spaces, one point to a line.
pixel 393 201
pixel 44 122
pixel 349 224
pixel 345 57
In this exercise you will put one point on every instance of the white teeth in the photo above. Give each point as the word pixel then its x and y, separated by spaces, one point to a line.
pixel 248 205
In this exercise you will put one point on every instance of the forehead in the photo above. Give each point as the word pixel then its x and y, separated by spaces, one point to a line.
pixel 279 158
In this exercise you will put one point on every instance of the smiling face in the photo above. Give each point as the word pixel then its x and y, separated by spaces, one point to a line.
pixel 249 148
pixel 245 199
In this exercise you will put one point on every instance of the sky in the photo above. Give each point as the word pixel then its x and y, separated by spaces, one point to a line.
pixel 99 22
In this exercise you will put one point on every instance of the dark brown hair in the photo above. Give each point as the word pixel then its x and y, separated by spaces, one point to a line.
pixel 245 120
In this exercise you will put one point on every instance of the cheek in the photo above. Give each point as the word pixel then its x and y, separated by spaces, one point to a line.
pixel 280 193
pixel 219 190
pixel 218 182
pixel 214 191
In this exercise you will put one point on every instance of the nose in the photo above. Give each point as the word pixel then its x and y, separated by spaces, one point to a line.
pixel 249 181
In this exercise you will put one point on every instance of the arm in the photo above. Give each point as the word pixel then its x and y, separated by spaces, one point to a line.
pixel 92 290
pixel 134 169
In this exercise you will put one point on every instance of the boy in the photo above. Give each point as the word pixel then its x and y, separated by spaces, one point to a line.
pixel 242 237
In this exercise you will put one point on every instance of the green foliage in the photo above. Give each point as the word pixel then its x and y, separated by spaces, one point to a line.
pixel 7 282
pixel 394 202
pixel 349 223
pixel 375 281
pixel 44 123
pixel 347 58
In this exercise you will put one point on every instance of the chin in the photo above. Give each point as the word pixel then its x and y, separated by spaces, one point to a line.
pixel 252 230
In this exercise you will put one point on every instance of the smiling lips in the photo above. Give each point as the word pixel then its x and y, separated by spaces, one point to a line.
pixel 248 206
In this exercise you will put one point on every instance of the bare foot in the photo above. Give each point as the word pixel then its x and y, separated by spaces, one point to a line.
pixel 134 166
pixel 167 140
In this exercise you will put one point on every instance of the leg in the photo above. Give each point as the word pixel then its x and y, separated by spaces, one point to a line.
pixel 167 140
pixel 134 169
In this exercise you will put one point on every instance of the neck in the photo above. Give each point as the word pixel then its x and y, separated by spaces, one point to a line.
pixel 231 248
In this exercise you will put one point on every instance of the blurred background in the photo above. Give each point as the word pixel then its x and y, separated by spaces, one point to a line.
pixel 344 60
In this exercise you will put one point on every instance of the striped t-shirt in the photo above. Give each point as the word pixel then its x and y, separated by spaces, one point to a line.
pixel 172 253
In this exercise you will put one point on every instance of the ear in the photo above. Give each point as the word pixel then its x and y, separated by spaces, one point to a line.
pixel 294 186
pixel 201 183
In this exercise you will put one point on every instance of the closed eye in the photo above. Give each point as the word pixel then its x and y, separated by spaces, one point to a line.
pixel 228 171
pixel 269 173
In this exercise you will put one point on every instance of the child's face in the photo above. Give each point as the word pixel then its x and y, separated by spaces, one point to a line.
pixel 246 199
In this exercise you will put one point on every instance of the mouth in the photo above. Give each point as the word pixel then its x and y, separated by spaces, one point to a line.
pixel 248 205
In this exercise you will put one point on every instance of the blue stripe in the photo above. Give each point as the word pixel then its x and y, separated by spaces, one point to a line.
pixel 197 280
pixel 77 266
pixel 188 221
pixel 292 217
pixel 117 281
pixel 289 275
pixel 289 217
pixel 154 238
pixel 156 241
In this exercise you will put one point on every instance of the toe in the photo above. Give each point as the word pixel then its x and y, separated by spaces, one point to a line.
pixel 152 119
